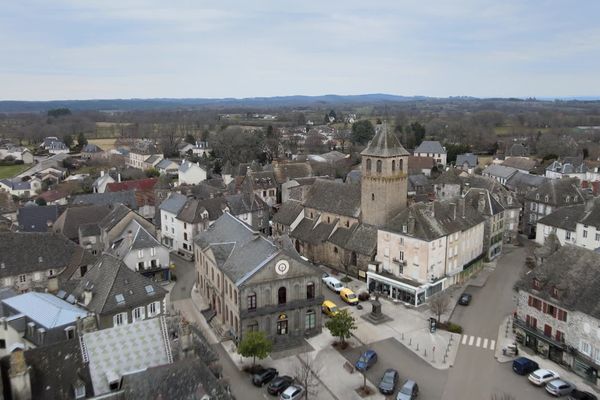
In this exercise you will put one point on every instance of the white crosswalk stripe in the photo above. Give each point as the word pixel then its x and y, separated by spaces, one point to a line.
pixel 477 341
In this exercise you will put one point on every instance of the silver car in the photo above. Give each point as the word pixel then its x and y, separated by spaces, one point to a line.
pixel 408 391
pixel 558 387
pixel 293 392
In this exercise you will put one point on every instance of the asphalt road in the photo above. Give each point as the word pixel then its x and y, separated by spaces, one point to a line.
pixel 393 354
pixel 185 273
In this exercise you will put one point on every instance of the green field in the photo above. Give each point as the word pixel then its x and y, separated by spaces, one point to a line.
pixel 8 171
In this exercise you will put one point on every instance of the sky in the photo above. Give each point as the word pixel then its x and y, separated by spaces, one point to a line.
pixel 94 49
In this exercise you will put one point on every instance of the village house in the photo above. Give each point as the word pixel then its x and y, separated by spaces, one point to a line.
pixel 434 149
pixel 198 149
pixel 72 218
pixel 190 173
pixel 425 249
pixel 91 151
pixel 18 153
pixel 254 284
pixel 167 167
pixel 521 164
pixel 21 188
pixel 557 314
pixel 33 218
pixel 99 185
pixel 420 165
pixel 143 155
pixel 499 172
pixel 467 162
pixel 572 167
pixel 548 198
pixel 492 211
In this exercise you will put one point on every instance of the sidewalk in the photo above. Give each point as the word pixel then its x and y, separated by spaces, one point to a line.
pixel 506 336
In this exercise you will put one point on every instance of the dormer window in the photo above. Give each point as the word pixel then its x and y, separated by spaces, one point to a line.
pixel 536 284
pixel 537 196
pixel 555 292
pixel 546 199
pixel 567 199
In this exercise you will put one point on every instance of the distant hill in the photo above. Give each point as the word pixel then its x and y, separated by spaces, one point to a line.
pixel 12 106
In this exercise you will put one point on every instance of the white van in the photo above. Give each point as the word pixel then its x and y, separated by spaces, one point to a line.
pixel 333 284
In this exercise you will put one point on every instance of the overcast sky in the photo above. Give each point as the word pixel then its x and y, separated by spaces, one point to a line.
pixel 81 49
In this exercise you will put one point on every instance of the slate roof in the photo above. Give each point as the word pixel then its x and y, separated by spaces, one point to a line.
pixel 107 198
pixel 138 184
pixel 174 203
pixel 491 206
pixel 418 181
pixel 244 203
pixel 288 212
pixel 384 144
pixel 73 217
pixel 237 248
pixel 115 216
pixel 109 277
pixel 187 165
pixel 564 217
pixel 89 230
pixel 91 148
pixel 261 180
pixel 521 181
pixel 288 171
pixel 499 171
pixel 354 176
pixel 25 252
pixel 311 232
pixel 193 209
pixel 449 177
pixel 16 184
pixel 153 158
pixel 334 197
pixel 522 163
pixel 497 190
pixel 591 215
pixel 187 379
pixel 430 226
pixel 430 146
pixel 124 349
pixel 469 158
pixel 559 192
pixel 165 163
pixel 575 272
pixel 37 218
pixel 45 309
pixel 363 239
pixel 140 239
pixel 49 382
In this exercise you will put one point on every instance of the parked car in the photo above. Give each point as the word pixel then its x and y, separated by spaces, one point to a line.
pixel 279 384
pixel 580 395
pixel 524 366
pixel 408 391
pixel 293 392
pixel 465 299
pixel 263 376
pixel 388 382
pixel 329 308
pixel 540 377
pixel 366 360
pixel 558 387
pixel 333 284
pixel 349 296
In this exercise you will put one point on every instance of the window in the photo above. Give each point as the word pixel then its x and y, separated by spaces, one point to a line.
pixel 281 295
pixel 547 330
pixel 393 165
pixel 568 235
pixel 531 321
pixel 50 272
pixel 562 315
pixel 70 332
pixel 597 237
pixel 401 167
pixel 140 253
pixel 139 313
pixel 23 278
pixel 536 284
pixel 2 343
pixel 253 326
pixel 311 320
pixel 401 256
pixel 335 250
pixel 585 348
pixel 252 301
pixel 140 265
pixel 185 236
pixel 555 292
pixel 559 336
pixel 550 309
pixel 185 225
pixel 120 319
pixel 80 392
pixel 153 309
pixel 152 251
pixel 264 193
pixel 584 234
pixel 368 164
pixel 373 196
pixel 379 165
pixel 310 290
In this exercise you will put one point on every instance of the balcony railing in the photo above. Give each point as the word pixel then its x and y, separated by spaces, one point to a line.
pixel 290 305
pixel 539 333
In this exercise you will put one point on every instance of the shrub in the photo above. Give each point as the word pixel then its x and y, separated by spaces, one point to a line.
pixel 454 328
pixel 364 296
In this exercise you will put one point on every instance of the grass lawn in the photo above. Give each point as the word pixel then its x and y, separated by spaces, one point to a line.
pixel 8 171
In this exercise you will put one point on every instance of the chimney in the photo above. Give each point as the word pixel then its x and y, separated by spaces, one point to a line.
pixel 430 209
pixel 411 223
pixel 4 323
pixel 453 210
pixel 461 206
pixel 20 382
pixel 79 326
pixel 87 296
pixel 481 203
pixel 119 177
pixel 102 173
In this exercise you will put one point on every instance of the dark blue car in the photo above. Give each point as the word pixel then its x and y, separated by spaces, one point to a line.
pixel 366 360
pixel 524 366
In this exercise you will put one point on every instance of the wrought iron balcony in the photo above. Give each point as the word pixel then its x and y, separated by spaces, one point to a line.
pixel 539 333
pixel 275 308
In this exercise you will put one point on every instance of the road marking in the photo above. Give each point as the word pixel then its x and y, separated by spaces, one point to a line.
pixel 478 342
pixel 485 342
pixel 471 340
pixel 465 337
pixel 492 345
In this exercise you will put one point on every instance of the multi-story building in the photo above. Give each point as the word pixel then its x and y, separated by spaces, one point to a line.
pixel 432 148
pixel 493 212
pixel 143 155
pixel 254 284
pixel 190 173
pixel 547 198
pixel 578 225
pixel 427 248
pixel 557 314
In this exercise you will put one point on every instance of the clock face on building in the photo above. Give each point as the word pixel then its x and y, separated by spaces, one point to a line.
pixel 282 267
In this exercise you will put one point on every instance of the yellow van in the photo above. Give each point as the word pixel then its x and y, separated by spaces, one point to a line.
pixel 329 308
pixel 348 296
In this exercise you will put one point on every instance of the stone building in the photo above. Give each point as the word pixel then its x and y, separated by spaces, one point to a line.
pixel 252 283
pixel 384 187
pixel 493 213
pixel 557 310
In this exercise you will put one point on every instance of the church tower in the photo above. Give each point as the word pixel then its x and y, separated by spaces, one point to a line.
pixel 384 174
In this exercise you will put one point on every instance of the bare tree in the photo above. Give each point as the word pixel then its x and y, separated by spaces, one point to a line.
pixel 439 304
pixel 306 373
pixel 342 136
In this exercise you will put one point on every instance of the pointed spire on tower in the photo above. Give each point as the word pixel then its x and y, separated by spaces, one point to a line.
pixel 384 144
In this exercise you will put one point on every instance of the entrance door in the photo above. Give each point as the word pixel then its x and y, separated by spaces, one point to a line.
pixel 282 327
